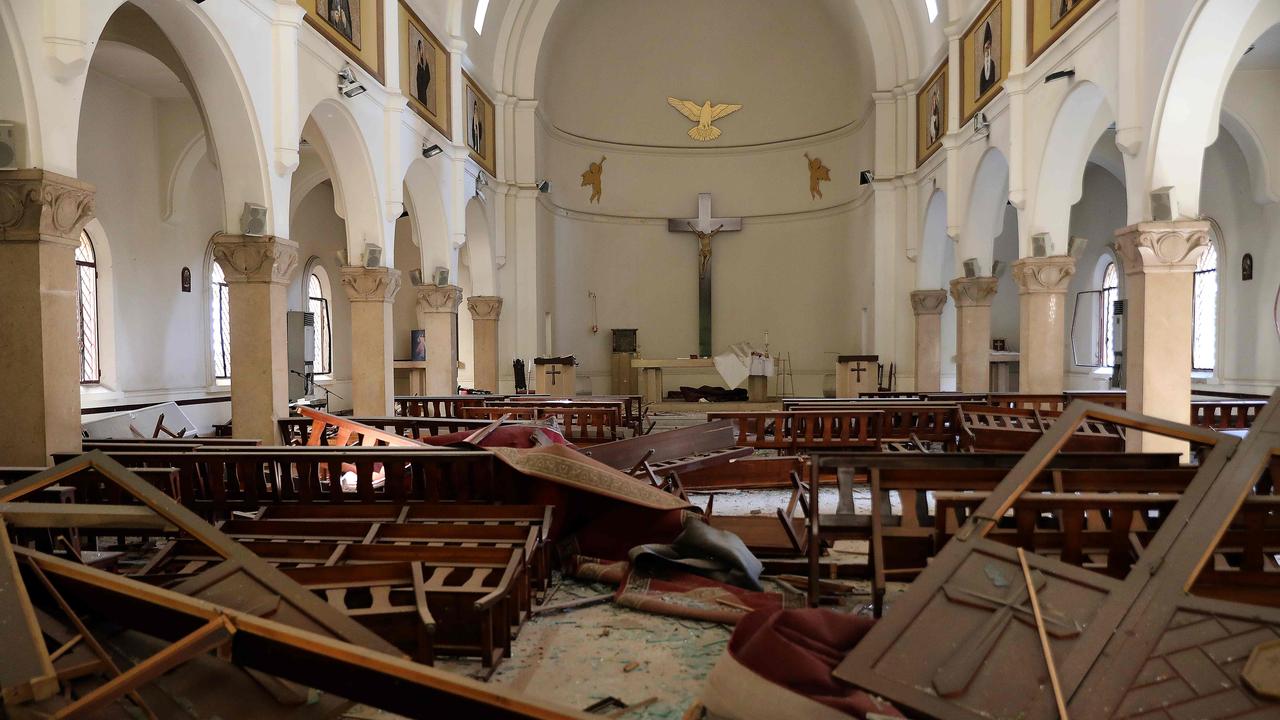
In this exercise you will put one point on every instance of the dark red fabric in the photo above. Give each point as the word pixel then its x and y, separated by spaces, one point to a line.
pixel 681 594
pixel 798 649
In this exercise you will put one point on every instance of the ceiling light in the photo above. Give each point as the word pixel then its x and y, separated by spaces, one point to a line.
pixel 347 83
pixel 430 151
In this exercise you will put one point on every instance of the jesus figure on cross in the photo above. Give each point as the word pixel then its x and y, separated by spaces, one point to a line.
pixel 704 248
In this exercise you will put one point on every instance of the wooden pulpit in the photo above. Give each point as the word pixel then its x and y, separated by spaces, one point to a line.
pixel 555 376
pixel 857 374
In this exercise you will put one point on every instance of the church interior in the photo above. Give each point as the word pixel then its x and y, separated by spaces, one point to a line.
pixel 362 359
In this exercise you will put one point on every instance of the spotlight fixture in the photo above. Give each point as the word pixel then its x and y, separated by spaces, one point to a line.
pixel 544 187
pixel 430 151
pixel 866 177
pixel 1059 75
pixel 981 126
pixel 347 83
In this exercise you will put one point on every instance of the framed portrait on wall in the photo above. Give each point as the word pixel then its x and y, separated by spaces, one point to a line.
pixel 478 114
pixel 354 26
pixel 1047 20
pixel 424 71
pixel 984 54
pixel 931 114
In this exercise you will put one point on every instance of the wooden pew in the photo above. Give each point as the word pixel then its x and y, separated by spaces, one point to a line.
pixel 986 428
pixel 439 406
pixel 1225 414
pixel 579 425
pixel 905 534
pixel 791 433
pixel 905 422
pixel 298 430
pixel 683 450
pixel 461 600
pixel 634 411
pixel 1244 565
pixel 216 483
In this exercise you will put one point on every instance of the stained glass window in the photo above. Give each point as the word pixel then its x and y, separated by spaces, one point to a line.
pixel 220 322
pixel 323 336
pixel 87 301
pixel 1204 319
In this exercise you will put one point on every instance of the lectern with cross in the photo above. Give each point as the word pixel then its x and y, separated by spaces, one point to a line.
pixel 704 227
pixel 856 374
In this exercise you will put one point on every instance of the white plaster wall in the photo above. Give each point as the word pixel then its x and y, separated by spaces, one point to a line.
pixel 1004 307
pixel 1249 350
pixel 161 334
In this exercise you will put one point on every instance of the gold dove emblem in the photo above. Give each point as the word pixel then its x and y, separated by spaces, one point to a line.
pixel 704 115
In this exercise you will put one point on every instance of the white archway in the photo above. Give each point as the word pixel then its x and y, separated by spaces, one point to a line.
pixel 424 200
pixel 1082 118
pixel 223 97
pixel 336 135
pixel 935 269
pixel 480 248
pixel 1189 110
pixel 984 220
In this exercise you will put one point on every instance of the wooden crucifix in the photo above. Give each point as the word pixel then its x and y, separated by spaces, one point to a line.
pixel 704 227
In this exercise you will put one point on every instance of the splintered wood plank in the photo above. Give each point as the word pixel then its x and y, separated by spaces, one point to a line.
pixel 26 672
pixel 957 645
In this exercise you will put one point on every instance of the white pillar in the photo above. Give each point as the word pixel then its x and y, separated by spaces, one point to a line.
pixel 371 292
pixel 927 306
pixel 438 316
pixel 973 298
pixel 1042 287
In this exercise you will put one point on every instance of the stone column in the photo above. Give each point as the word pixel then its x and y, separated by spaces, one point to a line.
pixel 438 316
pixel 485 310
pixel 973 332
pixel 1042 286
pixel 371 291
pixel 1158 259
pixel 41 217
pixel 927 306
pixel 258 271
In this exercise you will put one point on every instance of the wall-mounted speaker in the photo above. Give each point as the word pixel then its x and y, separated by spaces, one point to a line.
pixel 971 268
pixel 1164 207
pixel 441 276
pixel 9 144
pixel 1040 245
pixel 253 221
pixel 415 277
pixel 372 255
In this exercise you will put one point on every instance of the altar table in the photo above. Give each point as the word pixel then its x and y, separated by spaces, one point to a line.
pixel 651 373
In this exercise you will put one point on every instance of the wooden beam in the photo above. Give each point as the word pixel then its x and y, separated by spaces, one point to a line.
pixel 26 672
pixel 209 636
pixel 70 515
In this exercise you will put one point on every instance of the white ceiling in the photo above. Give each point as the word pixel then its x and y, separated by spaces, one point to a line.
pixel 137 69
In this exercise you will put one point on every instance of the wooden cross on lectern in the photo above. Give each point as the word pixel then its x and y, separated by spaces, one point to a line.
pixel 857 371
pixel 704 227
pixel 553 372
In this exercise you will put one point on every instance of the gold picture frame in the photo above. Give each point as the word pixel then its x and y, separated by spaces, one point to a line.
pixel 1047 20
pixel 354 27
pixel 984 57
pixel 478 128
pixel 424 71
pixel 931 114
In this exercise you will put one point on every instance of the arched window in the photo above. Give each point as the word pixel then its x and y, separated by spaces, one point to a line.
pixel 482 8
pixel 87 300
pixel 318 304
pixel 220 322
pixel 931 6
pixel 1204 318
pixel 1110 293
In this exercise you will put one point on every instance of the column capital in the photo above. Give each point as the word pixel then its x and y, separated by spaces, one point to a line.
pixel 41 206
pixel 928 302
pixel 376 284
pixel 255 259
pixel 974 291
pixel 439 298
pixel 1162 247
pixel 484 307
pixel 1043 274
